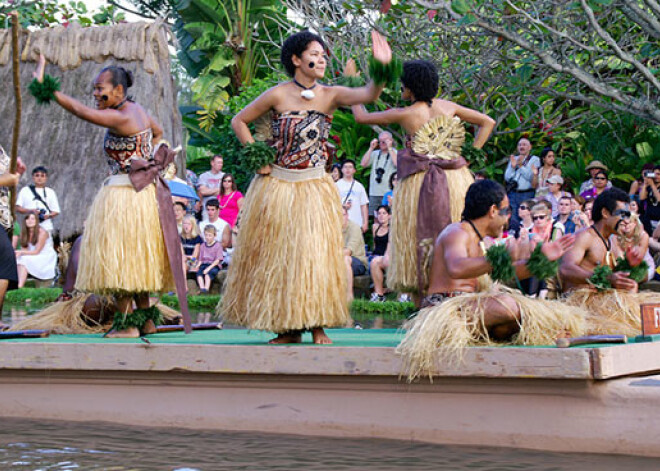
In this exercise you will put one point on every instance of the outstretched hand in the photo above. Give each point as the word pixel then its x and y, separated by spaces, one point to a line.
pixel 41 69
pixel 382 51
pixel 554 250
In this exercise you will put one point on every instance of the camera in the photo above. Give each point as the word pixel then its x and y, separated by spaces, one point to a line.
pixel 379 175
pixel 649 174
pixel 42 215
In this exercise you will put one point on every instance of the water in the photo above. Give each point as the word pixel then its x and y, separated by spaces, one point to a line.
pixel 50 445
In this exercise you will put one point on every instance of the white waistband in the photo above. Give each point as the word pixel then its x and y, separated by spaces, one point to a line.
pixel 121 179
pixel 297 175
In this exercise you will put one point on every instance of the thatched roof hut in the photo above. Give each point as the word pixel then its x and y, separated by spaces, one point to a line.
pixel 70 148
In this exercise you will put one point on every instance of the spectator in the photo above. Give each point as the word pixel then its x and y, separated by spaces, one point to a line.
pixel 518 177
pixel 230 200
pixel 38 199
pixel 525 216
pixel 179 213
pixel 335 172
pixel 387 197
pixel 565 216
pixel 382 158
pixel 38 257
pixel 554 184
pixel 577 203
pixel 210 259
pixel 381 259
pixel 600 182
pixel 593 168
pixel 649 196
pixel 636 186
pixel 190 241
pixel 634 206
pixel 547 169
pixel 209 183
pixel 353 196
pixel 222 228
pixel 588 206
pixel 354 254
pixel 194 206
pixel 630 236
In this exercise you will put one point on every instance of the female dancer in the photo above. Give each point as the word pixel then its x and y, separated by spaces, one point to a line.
pixel 123 249
pixel 287 273
pixel 433 177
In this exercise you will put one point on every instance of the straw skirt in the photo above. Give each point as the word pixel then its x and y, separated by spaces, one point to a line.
pixel 123 251
pixel 288 270
pixel 402 273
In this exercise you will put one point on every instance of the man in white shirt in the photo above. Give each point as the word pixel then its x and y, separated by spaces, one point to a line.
pixel 38 199
pixel 353 196
pixel 222 228
pixel 210 183
pixel 382 158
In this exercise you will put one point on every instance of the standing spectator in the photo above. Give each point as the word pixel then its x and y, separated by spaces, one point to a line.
pixel 38 199
pixel 8 272
pixel 37 257
pixel 548 169
pixel 649 196
pixel 209 183
pixel 354 253
pixel 387 197
pixel 210 259
pixel 335 172
pixel 555 193
pixel 600 184
pixel 353 196
pixel 230 200
pixel 382 158
pixel 223 230
pixel 381 259
pixel 593 168
pixel 190 241
pixel 518 177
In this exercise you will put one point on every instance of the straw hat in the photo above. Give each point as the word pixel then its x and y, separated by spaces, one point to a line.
pixel 596 164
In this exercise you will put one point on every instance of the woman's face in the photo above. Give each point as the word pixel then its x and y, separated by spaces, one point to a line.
pixel 634 207
pixel 575 206
pixel 227 183
pixel 550 158
pixel 600 181
pixel 179 212
pixel 335 174
pixel 523 211
pixel 103 89
pixel 313 60
pixel 31 221
pixel 186 226
pixel 383 216
pixel 587 208
pixel 395 180
pixel 541 219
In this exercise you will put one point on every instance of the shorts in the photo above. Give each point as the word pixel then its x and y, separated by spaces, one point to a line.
pixel 358 267
pixel 212 273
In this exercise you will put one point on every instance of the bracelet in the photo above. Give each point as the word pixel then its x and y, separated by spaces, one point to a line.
pixel 382 74
pixel 256 155
pixel 500 261
pixel 601 278
pixel 636 273
pixel 351 81
pixel 44 91
pixel 539 265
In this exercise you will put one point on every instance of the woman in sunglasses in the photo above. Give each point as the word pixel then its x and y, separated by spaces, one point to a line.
pixel 230 199
pixel 630 234
pixel 525 216
pixel 600 184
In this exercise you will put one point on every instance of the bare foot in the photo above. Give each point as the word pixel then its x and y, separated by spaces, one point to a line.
pixel 287 337
pixel 130 333
pixel 148 328
pixel 564 334
pixel 319 336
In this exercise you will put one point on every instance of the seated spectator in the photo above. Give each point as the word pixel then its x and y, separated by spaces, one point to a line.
pixel 387 197
pixel 335 172
pixel 354 253
pixel 210 259
pixel 229 199
pixel 588 206
pixel 593 168
pixel 179 213
pixel 381 259
pixel 649 196
pixel 525 216
pixel 37 257
pixel 555 192
pixel 190 241
pixel 39 199
pixel 222 228
pixel 547 169
pixel 600 184
pixel 565 216
pixel 630 235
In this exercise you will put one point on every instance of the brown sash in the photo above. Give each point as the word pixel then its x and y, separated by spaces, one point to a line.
pixel 142 174
pixel 434 213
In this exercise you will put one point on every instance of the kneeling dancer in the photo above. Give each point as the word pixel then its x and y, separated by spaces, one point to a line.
pixel 591 277
pixel 464 308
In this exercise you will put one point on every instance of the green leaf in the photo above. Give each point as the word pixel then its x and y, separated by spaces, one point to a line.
pixel 220 62
pixel 460 6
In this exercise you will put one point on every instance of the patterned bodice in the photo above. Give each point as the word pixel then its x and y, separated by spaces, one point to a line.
pixel 122 149
pixel 300 138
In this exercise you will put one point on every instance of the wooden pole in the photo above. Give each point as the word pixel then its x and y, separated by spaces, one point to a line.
pixel 15 27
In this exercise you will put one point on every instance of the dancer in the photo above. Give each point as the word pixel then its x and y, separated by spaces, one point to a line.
pixel 433 177
pixel 593 278
pixel 123 251
pixel 461 309
pixel 287 273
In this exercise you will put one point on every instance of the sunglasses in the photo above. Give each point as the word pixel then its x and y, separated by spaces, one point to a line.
pixel 504 211
pixel 228 181
pixel 523 207
pixel 623 213
pixel 540 217
pixel 600 178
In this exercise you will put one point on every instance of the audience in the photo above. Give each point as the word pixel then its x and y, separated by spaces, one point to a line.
pixel 190 242
pixel 39 199
pixel 636 186
pixel 381 156
pixel 179 213
pixel 354 253
pixel 210 259
pixel 380 260
pixel 630 235
pixel 37 257
pixel 555 192
pixel 518 176
pixel 525 217
pixel 387 197
pixel 230 200
pixel 564 215
pixel 547 169
pixel 222 228
pixel 649 196
pixel 600 184
pixel 353 196
pixel 335 172
pixel 593 168
pixel 209 183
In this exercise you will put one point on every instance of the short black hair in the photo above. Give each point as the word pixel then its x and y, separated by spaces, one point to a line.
pixel 608 200
pixel 119 76
pixel 348 161
pixel 179 203
pixel 656 167
pixel 385 207
pixel 480 197
pixel 40 168
pixel 212 203
pixel 421 78
pixel 295 45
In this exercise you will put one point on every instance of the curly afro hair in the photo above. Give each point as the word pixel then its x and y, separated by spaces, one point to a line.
pixel 294 46
pixel 480 197
pixel 421 78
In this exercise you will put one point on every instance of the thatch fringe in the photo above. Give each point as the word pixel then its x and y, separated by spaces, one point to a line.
pixel 440 333
pixel 68 47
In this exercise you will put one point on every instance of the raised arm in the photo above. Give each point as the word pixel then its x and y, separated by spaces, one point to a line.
pixel 391 116
pixel 485 123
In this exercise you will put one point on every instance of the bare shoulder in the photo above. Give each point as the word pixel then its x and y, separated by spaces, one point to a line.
pixel 452 234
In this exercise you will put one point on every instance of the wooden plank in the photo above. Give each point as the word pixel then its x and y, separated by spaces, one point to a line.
pixel 631 359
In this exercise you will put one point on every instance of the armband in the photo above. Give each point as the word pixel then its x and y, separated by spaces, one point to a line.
pixel 256 155
pixel 382 74
pixel 500 261
pixel 601 278
pixel 44 91
pixel 539 265
pixel 637 273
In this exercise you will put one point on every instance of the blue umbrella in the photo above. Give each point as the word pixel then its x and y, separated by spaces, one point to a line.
pixel 182 190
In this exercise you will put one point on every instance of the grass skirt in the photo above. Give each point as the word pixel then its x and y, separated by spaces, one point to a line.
pixel 612 311
pixel 123 251
pixel 402 272
pixel 440 333
pixel 288 270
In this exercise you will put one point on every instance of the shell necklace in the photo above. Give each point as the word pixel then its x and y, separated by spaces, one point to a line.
pixel 307 92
